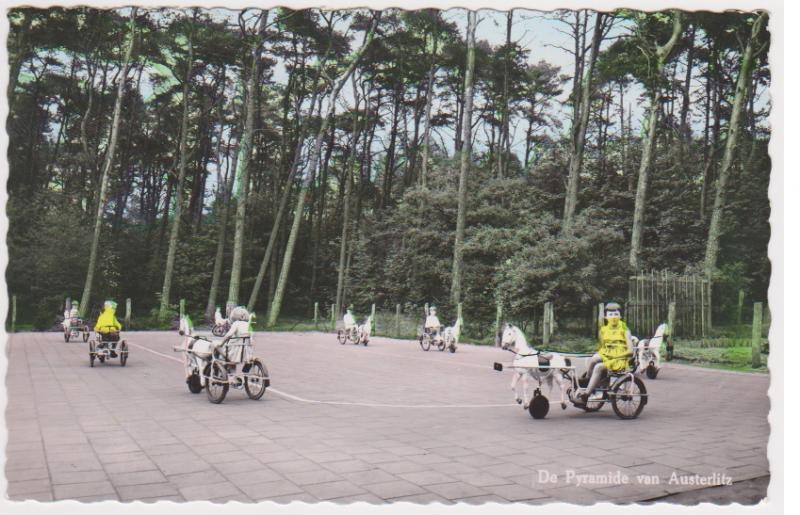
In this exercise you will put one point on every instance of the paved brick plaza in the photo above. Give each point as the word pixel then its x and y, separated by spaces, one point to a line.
pixel 381 423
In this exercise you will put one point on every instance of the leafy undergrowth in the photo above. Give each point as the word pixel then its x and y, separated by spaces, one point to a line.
pixel 728 358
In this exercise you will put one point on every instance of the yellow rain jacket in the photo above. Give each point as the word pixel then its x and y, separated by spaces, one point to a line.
pixel 613 346
pixel 106 321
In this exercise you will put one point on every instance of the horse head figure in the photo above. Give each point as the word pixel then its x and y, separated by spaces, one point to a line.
pixel 512 337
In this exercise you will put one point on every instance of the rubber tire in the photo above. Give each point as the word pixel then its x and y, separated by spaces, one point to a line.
pixel 651 371
pixel 223 376
pixel 539 407
pixel 425 343
pixel 595 406
pixel 123 353
pixel 91 353
pixel 218 330
pixel 194 383
pixel 452 349
pixel 639 384
pixel 67 335
pixel 342 336
pixel 441 346
pixel 256 394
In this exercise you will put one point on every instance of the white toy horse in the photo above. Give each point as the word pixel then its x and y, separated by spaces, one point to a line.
pixel 543 367
pixel 364 331
pixel 452 335
pixel 201 350
pixel 649 353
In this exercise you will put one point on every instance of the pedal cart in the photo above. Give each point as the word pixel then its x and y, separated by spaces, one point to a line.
pixel 107 345
pixel 77 327
pixel 218 365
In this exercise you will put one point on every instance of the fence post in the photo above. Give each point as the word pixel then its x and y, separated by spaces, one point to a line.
pixel 397 321
pixel 600 318
pixel 333 317
pixel 670 330
pixel 497 322
pixel 13 313
pixel 546 324
pixel 757 318
pixel 372 319
pixel 739 308
pixel 128 312
pixel 316 314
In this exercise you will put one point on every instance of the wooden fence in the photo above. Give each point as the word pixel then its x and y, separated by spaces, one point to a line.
pixel 649 296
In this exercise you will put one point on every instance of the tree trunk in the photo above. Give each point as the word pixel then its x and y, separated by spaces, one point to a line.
pixel 429 94
pixel 503 152
pixel 283 278
pixel 734 127
pixel 109 162
pixel 662 53
pixel 466 157
pixel 176 220
pixel 273 235
pixel 579 135
pixel 243 173
pixel 348 186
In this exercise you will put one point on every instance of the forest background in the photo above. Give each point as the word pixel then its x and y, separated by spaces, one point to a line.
pixel 279 158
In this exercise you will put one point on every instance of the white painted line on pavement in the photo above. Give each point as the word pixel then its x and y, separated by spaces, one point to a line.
pixel 348 403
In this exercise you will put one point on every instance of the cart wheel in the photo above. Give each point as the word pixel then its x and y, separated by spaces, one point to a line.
pixel 425 343
pixel 85 335
pixel 91 353
pixel 629 398
pixel 651 371
pixel 123 353
pixel 342 336
pixel 216 382
pixel 441 346
pixel 592 406
pixel 539 407
pixel 193 382
pixel 256 384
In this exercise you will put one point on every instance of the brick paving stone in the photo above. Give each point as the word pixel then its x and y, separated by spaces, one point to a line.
pixel 366 477
pixel 402 467
pixel 427 477
pixel 268 489
pixel 313 477
pixel 60 477
pixel 426 499
pixel 348 466
pixel 207 492
pixel 28 474
pixel 19 488
pixel 396 488
pixel 333 490
pixel 515 492
pixel 72 491
pixel 287 467
pixel 156 490
pixel 251 477
pixel 482 479
pixel 147 477
pixel 456 490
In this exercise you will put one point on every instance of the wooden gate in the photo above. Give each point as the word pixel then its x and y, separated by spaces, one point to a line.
pixel 649 295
